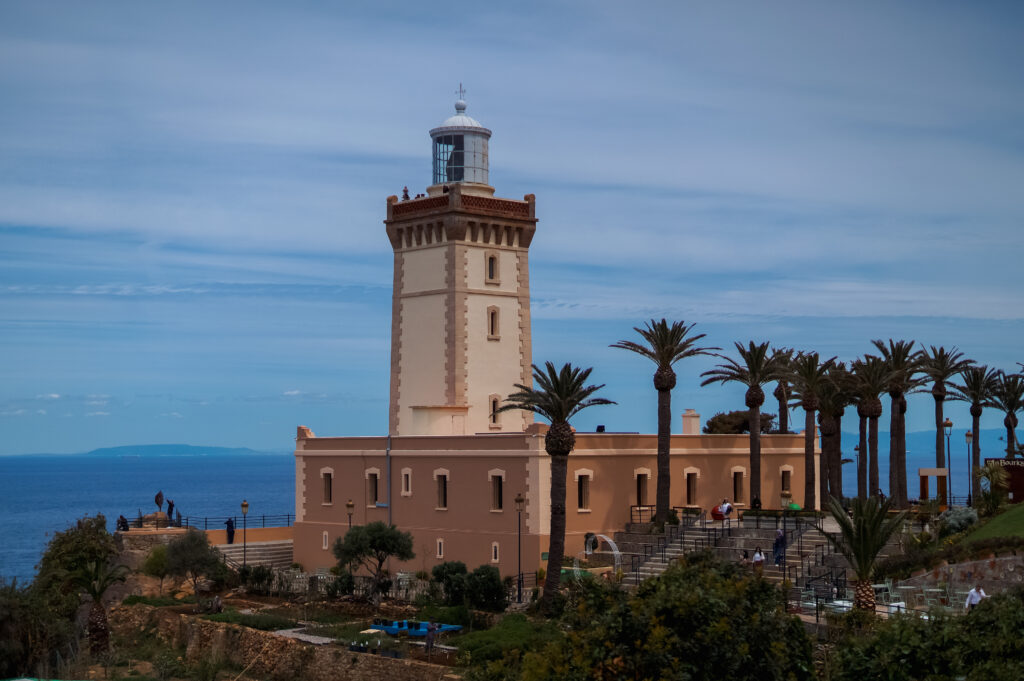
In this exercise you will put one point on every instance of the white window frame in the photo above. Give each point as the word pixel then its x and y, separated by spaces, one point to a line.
pixel 406 477
pixel 376 473
pixel 495 552
pixel 440 548
pixel 327 541
pixel 491 475
pixel 589 475
pixel 438 472
pixel 324 472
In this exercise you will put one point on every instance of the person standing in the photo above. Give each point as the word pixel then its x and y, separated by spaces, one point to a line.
pixel 231 530
pixel 170 511
pixel 974 596
pixel 779 547
pixel 431 633
pixel 758 559
pixel 726 508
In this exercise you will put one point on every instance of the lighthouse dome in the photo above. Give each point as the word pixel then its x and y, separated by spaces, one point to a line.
pixel 460 149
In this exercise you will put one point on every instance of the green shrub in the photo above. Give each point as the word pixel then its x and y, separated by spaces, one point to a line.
pixel 484 589
pixel 161 602
pixel 450 614
pixel 956 520
pixel 343 585
pixel 512 633
pixel 451 575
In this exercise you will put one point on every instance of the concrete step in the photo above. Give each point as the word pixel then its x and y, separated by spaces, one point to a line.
pixel 275 554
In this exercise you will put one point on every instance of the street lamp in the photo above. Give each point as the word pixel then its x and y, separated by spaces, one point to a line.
pixel 245 526
pixel 947 425
pixel 969 438
pixel 520 504
pixel 856 449
pixel 349 505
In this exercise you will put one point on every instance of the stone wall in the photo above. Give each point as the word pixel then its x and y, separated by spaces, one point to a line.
pixel 265 655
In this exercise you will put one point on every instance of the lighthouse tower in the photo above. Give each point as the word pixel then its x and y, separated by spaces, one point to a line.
pixel 460 319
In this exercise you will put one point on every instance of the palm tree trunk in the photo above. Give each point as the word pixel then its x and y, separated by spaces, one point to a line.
pixel 873 455
pixel 825 460
pixel 835 481
pixel 755 455
pixel 782 395
pixel 864 595
pixel 862 460
pixel 894 447
pixel 809 482
pixel 556 542
pixel 901 472
pixel 940 449
pixel 664 455
pixel 975 455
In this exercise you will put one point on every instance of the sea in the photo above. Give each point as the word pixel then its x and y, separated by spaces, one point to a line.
pixel 41 494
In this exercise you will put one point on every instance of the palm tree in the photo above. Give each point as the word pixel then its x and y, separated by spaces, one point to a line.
pixel 1008 397
pixel 94 578
pixel 559 395
pixel 665 345
pixel 978 388
pixel 834 397
pixel 903 364
pixel 755 368
pixel 860 540
pixel 784 358
pixel 808 376
pixel 870 380
pixel 940 365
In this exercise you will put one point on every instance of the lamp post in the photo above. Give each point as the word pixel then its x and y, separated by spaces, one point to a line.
pixel 245 526
pixel 520 503
pixel 947 425
pixel 349 505
pixel 969 437
pixel 856 449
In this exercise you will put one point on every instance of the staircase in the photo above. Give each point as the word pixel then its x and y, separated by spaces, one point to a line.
pixel 646 555
pixel 275 554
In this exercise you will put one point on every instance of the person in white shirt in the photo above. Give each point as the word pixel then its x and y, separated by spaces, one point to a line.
pixel 725 508
pixel 758 559
pixel 974 597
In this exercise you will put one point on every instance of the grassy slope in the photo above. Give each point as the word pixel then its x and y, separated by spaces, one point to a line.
pixel 1010 523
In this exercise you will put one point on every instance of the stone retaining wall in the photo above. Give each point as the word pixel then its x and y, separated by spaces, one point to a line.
pixel 264 654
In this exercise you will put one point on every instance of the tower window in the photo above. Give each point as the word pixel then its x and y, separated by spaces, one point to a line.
pixel 326 540
pixel 494 416
pixel 493 328
pixel 737 487
pixel 440 548
pixel 491 270
pixel 449 158
pixel 497 500
pixel 641 489
pixel 494 552
pixel 406 482
pixel 787 480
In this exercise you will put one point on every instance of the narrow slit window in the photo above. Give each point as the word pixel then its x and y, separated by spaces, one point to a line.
pixel 737 487
pixel 494 411
pixel 492 322
pixel 641 489
pixel 787 480
pixel 442 491
pixel 406 483
pixel 494 552
pixel 583 493
pixel 492 268
pixel 328 488
pixel 496 493
pixel 371 489
pixel 326 540
pixel 691 489
pixel 440 548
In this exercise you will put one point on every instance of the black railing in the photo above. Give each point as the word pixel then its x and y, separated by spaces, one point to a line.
pixel 220 522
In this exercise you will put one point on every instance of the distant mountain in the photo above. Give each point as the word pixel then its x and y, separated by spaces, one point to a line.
pixel 176 450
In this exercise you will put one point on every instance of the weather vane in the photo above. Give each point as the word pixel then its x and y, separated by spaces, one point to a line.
pixel 460 92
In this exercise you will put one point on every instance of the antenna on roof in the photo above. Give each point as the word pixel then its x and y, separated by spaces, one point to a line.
pixel 461 92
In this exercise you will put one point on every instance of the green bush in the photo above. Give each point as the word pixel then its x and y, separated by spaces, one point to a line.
pixel 956 520
pixel 512 633
pixel 343 585
pixel 926 558
pixel 161 602
pixel 446 614
pixel 451 575
pixel 484 589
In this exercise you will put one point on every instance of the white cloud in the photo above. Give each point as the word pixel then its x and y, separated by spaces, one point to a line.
pixel 292 393
pixel 41 412
pixel 172 414
pixel 48 396
pixel 98 413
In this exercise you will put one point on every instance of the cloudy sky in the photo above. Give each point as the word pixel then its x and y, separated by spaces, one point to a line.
pixel 191 196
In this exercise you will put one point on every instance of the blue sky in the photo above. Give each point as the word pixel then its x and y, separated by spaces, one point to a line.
pixel 191 196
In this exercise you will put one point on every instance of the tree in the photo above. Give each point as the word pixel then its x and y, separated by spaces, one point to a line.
pixel 1008 397
pixel 451 575
pixel 560 394
pixel 755 368
pixel 940 365
pixel 809 375
pixel 94 579
pixel 736 423
pixel 369 547
pixel 701 620
pixel 861 538
pixel 835 395
pixel 784 360
pixel 664 345
pixel 484 589
pixel 978 388
pixel 156 565
pixel 870 380
pixel 69 551
pixel 191 556
pixel 903 364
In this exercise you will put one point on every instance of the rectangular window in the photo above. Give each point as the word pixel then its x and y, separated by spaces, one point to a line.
pixel 442 491
pixel 492 267
pixel 440 548
pixel 496 493
pixel 406 483
pixel 786 480
pixel 691 489
pixel 371 489
pixel 641 489
pixel 326 540
pixel 737 487
pixel 583 493
pixel 328 488
pixel 494 552
pixel 494 411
